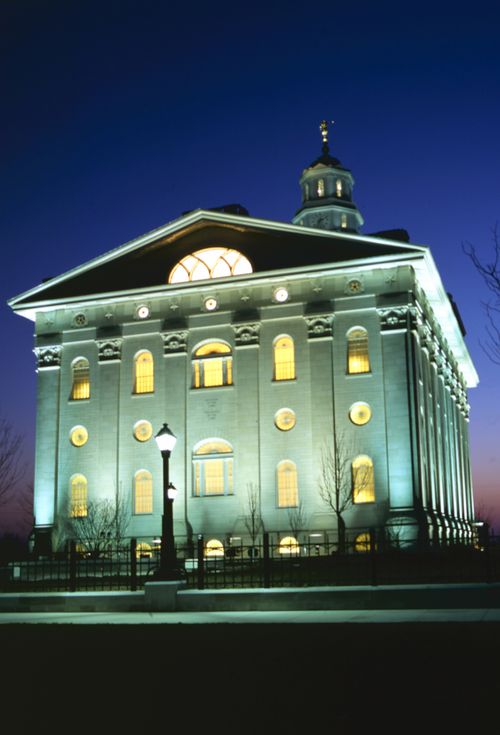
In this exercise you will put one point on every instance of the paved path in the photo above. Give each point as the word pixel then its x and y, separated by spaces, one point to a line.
pixel 255 617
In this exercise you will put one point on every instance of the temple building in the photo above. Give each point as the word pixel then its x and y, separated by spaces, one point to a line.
pixel 272 350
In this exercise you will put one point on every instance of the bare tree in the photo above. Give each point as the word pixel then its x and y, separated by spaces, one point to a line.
pixel 253 516
pixel 11 467
pixel 336 480
pixel 103 527
pixel 297 519
pixel 490 273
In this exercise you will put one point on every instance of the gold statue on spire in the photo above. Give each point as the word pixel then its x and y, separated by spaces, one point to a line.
pixel 323 126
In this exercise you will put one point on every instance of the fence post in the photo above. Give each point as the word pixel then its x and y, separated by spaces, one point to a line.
pixel 72 566
pixel 201 563
pixel 133 564
pixel 267 560
pixel 373 555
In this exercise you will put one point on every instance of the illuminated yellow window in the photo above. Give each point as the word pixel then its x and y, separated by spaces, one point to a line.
pixel 343 221
pixel 212 365
pixel 143 551
pixel 363 484
pixel 78 496
pixel 144 373
pixel 213 468
pixel 358 359
pixel 338 187
pixel 362 542
pixel 143 492
pixel 288 493
pixel 216 262
pixel 321 188
pixel 81 380
pixel 289 545
pixel 214 547
pixel 284 358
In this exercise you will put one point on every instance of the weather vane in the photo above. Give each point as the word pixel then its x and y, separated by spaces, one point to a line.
pixel 323 126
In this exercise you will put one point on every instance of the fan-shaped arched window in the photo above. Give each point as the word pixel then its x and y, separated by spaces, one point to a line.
pixel 358 359
pixel 214 548
pixel 287 486
pixel 213 468
pixel 212 365
pixel 363 484
pixel 78 496
pixel 289 545
pixel 144 372
pixel 81 379
pixel 284 358
pixel 143 492
pixel 216 262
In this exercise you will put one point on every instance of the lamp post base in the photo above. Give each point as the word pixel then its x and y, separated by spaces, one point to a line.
pixel 161 595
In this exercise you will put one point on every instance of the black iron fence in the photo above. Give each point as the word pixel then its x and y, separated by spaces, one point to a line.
pixel 265 564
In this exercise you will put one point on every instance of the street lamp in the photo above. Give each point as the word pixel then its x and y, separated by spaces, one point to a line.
pixel 166 440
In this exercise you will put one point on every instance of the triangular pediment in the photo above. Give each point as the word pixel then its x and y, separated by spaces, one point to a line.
pixel 146 262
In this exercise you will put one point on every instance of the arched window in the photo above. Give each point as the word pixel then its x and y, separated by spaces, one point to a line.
pixel 288 492
pixel 212 365
pixel 144 372
pixel 343 221
pixel 289 545
pixel 216 262
pixel 321 188
pixel 358 359
pixel 213 468
pixel 143 492
pixel 214 548
pixel 78 496
pixel 363 484
pixel 284 358
pixel 81 379
pixel 338 187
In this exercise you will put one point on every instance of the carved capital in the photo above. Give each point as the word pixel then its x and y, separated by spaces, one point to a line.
pixel 109 349
pixel 246 334
pixel 319 325
pixel 393 318
pixel 174 342
pixel 48 357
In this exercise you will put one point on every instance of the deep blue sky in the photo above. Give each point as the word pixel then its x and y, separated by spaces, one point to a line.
pixel 118 116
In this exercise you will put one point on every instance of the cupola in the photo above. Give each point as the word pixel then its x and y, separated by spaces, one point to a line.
pixel 327 193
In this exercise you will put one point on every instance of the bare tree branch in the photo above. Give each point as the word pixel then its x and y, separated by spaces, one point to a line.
pixel 253 517
pixel 11 467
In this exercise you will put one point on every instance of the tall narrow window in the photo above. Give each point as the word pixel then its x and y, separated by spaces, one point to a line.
pixel 144 373
pixel 212 365
pixel 143 492
pixel 78 496
pixel 338 187
pixel 363 484
pixel 81 379
pixel 343 221
pixel 358 359
pixel 288 492
pixel 213 468
pixel 321 188
pixel 284 358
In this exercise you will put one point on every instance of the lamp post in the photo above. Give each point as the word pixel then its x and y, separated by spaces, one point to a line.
pixel 166 440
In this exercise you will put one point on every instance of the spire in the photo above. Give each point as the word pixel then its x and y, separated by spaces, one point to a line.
pixel 327 192
pixel 323 126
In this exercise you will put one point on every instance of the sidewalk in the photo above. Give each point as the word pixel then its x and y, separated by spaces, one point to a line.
pixel 254 617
